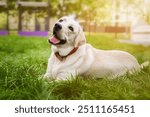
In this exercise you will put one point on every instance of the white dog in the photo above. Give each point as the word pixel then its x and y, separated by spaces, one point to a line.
pixel 71 55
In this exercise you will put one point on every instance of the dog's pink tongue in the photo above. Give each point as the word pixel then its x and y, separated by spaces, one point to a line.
pixel 54 40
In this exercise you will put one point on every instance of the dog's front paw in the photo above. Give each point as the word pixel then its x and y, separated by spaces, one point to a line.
pixel 48 77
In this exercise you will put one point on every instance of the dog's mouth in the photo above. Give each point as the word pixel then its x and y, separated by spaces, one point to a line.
pixel 55 40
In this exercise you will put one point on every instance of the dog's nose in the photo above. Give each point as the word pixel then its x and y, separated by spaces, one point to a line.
pixel 57 27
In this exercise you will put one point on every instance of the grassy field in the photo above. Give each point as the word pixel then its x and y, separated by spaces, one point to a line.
pixel 23 62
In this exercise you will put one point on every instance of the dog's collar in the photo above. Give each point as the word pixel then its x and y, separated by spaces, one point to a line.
pixel 61 58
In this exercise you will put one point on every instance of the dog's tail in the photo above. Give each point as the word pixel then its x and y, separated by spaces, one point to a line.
pixel 144 64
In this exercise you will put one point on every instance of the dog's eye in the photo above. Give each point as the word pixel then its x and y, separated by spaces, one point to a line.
pixel 70 28
pixel 60 20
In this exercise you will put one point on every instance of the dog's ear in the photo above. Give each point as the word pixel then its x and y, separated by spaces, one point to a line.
pixel 80 39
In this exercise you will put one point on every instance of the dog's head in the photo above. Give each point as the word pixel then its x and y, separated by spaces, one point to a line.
pixel 67 31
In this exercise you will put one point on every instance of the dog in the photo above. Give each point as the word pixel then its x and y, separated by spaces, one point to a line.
pixel 72 56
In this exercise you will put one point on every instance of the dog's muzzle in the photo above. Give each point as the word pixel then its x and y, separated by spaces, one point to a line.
pixel 57 27
pixel 56 39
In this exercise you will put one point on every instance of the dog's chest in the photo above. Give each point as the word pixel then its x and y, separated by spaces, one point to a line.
pixel 70 65
pixel 56 67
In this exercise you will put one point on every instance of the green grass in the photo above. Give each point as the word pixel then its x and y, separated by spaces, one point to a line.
pixel 23 62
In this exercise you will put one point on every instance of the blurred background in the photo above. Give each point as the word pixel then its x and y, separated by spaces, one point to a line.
pixel 36 17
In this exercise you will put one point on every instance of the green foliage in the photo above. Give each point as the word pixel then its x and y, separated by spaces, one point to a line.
pixel 24 61
pixel 100 11
pixel 3 21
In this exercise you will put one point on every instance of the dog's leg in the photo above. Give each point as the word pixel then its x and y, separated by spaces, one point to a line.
pixel 66 75
pixel 48 74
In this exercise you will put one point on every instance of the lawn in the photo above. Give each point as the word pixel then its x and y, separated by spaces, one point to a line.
pixel 23 62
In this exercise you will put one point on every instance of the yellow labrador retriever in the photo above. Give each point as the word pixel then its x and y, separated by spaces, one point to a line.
pixel 71 55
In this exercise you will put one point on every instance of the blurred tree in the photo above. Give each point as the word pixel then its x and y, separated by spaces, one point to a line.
pixel 92 10
pixel 60 8
pixel 96 11
pixel 86 9
pixel 140 8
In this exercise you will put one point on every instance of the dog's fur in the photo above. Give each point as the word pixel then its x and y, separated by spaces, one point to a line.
pixel 86 60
